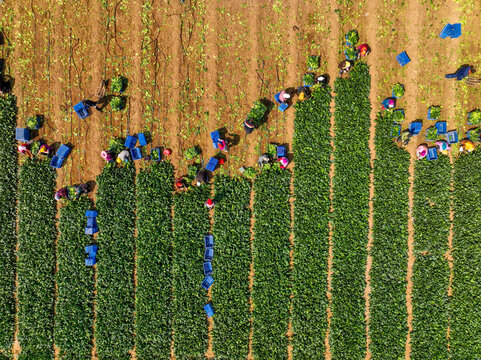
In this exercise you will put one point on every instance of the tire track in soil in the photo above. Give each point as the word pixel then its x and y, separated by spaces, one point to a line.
pixel 411 77
pixel 332 56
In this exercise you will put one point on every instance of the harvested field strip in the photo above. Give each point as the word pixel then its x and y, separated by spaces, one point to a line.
pixel 191 224
pixel 350 216
pixel 115 268
pixel 271 289
pixel 8 236
pixel 431 271
pixel 388 325
pixel 153 323
pixel 36 260
pixel 466 302
pixel 231 265
pixel 74 311
pixel 311 224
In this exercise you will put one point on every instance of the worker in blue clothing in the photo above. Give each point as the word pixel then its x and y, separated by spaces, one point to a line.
pixel 461 73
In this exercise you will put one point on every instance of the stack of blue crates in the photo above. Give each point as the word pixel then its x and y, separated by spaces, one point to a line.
pixel 91 250
pixel 92 226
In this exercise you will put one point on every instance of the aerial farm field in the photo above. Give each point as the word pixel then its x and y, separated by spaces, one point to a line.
pixel 357 250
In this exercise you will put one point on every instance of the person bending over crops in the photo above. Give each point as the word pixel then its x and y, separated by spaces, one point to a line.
pixel 284 162
pixel 209 204
pixel 322 80
pixel 461 73
pixel 180 183
pixel 4 86
pixel 303 93
pixel 284 96
pixel 201 177
pixel 223 145
pixel 466 145
pixel 249 126
pixel 45 150
pixel 405 137
pixel 24 149
pixel 344 67
pixel 443 146
pixel 124 156
pixel 421 151
pixel 363 50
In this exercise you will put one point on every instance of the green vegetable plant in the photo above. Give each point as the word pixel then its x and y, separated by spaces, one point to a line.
pixel 313 62
pixel 312 151
pixel 397 115
pixel 435 112
pixel 191 224
pixel 8 236
pixel 250 172
pixel 308 79
pixel 398 90
pixel 116 145
pixel 258 111
pixel 474 117
pixel 36 259
pixel 33 122
pixel 117 103
pixel 352 37
pixel 114 308
pixel 271 290
pixel 388 314
pixel 465 303
pixel 350 52
pixel 432 181
pixel 74 311
pixel 350 215
pixel 191 153
pixel 118 84
pixel 232 260
pixel 431 133
pixel 153 316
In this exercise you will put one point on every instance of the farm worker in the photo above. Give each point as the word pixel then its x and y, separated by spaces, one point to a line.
pixel 284 162
pixel 405 137
pixel 344 67
pixel 24 150
pixel 443 146
pixel 388 104
pixel 107 156
pixel 209 204
pixel 322 80
pixel 81 189
pixel 303 93
pixel 284 96
pixel 222 144
pixel 124 156
pixel 45 150
pixel 180 183
pixel 467 145
pixel 4 86
pixel 249 126
pixel 201 177
pixel 363 50
pixel 461 73
pixel 421 151
pixel 263 159
pixel 61 194
pixel 91 103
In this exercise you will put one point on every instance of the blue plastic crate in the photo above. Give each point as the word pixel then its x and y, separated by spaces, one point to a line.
pixel 403 58
pixel 211 165
pixel 130 142
pixel 82 110
pixel 91 249
pixel 153 151
pixel 283 107
pixel 22 134
pixel 415 127
pixel 432 153
pixel 452 137
pixel 142 140
pixel 281 151
pixel 63 151
pixel 442 127
pixel 209 241
pixel 209 310
pixel 456 32
pixel 91 222
pixel 136 153
pixel 208 268
pixel 208 280
pixel 91 213
pixel 56 162
pixel 215 136
pixel 90 261
pixel 446 31
pixel 277 97
pixel 208 254
pixel 91 230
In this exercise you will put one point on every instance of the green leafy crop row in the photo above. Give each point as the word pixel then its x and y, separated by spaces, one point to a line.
pixel 272 275
pixel 115 262
pixel 154 262
pixel 191 224
pixel 312 152
pixel 36 260
pixel 465 305
pixel 431 271
pixel 231 265
pixel 8 238
pixel 388 326
pixel 350 217
pixel 74 311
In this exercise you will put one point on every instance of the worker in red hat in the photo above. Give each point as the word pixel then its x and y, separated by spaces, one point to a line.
pixel 209 204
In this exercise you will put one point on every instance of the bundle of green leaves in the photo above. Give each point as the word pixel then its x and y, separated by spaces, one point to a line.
pixel 118 83
pixel 398 116
pixel 153 316
pixel 435 112
pixel 117 103
pixel 313 62
pixel 232 261
pixel 398 90
pixel 475 117
pixel 33 122
pixel 308 79
pixel 258 111
pixel 191 153
pixel 115 267
pixel 352 37
pixel 431 133
pixel 271 289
